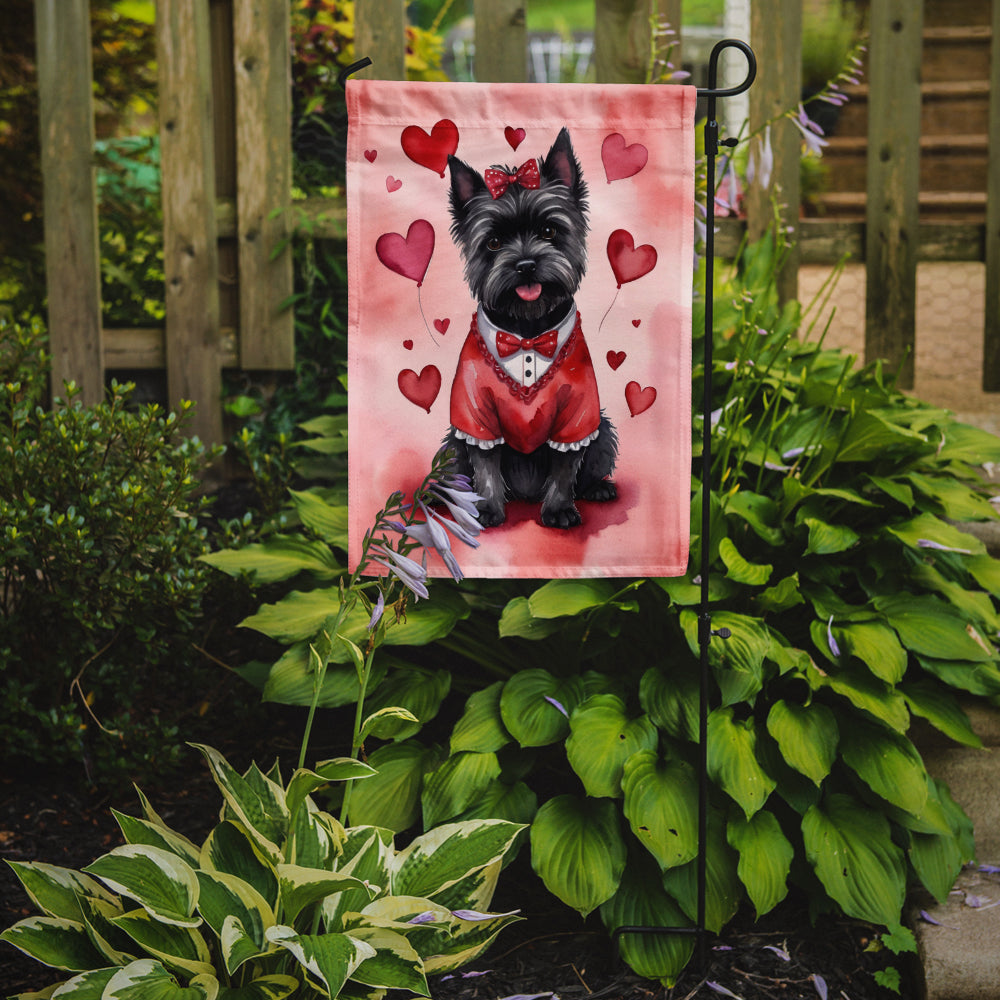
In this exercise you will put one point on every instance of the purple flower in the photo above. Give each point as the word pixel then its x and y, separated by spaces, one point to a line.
pixel 427 917
pixel 410 573
pixel 475 915
pixel 811 132
pixel 761 163
pixel 834 648
pixel 820 983
pixel 377 611
pixel 719 988
pixel 558 705
pixel 780 952
pixel 927 543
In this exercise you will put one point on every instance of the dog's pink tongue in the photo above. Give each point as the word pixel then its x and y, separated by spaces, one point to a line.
pixel 529 292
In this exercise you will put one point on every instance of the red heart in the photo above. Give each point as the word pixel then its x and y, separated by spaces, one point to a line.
pixel 636 322
pixel 408 344
pixel 409 255
pixel 616 359
pixel 627 260
pixel 441 325
pixel 431 151
pixel 391 184
pixel 514 136
pixel 621 160
pixel 370 155
pixel 639 399
pixel 421 389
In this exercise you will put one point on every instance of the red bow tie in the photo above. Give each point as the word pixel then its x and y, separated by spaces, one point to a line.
pixel 497 181
pixel 545 344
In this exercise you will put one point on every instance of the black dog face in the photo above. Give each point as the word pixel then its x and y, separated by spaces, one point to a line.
pixel 525 249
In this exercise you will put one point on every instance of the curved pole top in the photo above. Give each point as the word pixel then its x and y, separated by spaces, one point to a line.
pixel 713 69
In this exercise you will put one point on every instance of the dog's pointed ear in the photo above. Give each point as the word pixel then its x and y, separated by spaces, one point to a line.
pixel 465 182
pixel 560 165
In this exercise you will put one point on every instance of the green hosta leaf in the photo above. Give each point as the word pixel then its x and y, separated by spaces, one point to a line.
pixel 559 598
pixel 888 763
pixel 578 851
pixel 937 859
pixel 850 848
pixel 141 831
pixel 807 736
pixel 438 859
pixel 56 891
pixel 870 435
pixel 671 700
pixel 738 661
pixel 304 782
pixel 180 948
pixel 159 881
pixel 260 809
pixel 98 916
pixel 893 488
pixel 876 646
pixel 661 798
pixel 928 528
pixel 327 520
pixel 517 620
pixel 54 941
pixel 827 539
pixel 783 595
pixel 391 798
pixel 292 680
pixel 481 728
pixel 965 443
pixel 226 898
pixel 976 678
pixel 723 889
pixel 765 858
pixel 456 784
pixel 386 723
pixel 415 689
pixel 275 987
pixel 941 709
pixel 932 628
pixel 976 605
pixel 641 901
pixel 866 692
pixel 528 710
pixel 957 501
pixel 986 572
pixel 732 760
pixel 279 558
pixel 395 964
pixel 516 803
pixel 147 979
pixel 758 511
pixel 683 592
pixel 602 738
pixel 739 569
pixel 330 959
pixel 301 887
pixel 230 849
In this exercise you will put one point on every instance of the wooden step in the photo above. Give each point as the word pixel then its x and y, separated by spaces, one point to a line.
pixel 958 206
pixel 956 53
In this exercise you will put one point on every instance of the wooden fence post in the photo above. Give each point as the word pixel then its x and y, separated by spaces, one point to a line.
pixel 892 214
pixel 262 61
pixel 380 34
pixel 991 332
pixel 501 41
pixel 776 35
pixel 190 251
pixel 72 255
pixel 622 40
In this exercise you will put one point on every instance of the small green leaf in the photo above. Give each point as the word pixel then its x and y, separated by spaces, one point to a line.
pixel 456 784
pixel 732 760
pixel 828 539
pixel 765 858
pixel 739 569
pixel 888 763
pixel 279 558
pixel 671 699
pixel 559 598
pixel 517 620
pixel 807 736
pixel 481 727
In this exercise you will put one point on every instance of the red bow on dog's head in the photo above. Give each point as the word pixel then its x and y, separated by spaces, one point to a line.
pixel 497 181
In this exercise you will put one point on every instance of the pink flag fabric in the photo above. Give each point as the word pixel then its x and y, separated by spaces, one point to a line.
pixel 520 277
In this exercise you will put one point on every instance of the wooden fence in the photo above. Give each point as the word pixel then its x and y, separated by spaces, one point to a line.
pixel 226 160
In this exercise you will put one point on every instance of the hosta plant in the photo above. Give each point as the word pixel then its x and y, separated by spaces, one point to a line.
pixel 279 900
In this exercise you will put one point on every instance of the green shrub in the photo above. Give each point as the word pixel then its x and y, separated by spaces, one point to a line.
pixel 99 542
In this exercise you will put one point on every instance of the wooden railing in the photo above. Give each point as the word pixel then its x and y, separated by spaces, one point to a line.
pixel 226 161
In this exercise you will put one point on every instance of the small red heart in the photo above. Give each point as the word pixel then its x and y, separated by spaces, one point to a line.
pixel 616 359
pixel 639 399
pixel 408 344
pixel 441 325
pixel 621 160
pixel 391 184
pixel 636 322
pixel 514 136
pixel 370 155
pixel 431 151
pixel 421 389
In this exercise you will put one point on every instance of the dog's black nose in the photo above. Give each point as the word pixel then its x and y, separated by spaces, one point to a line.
pixel 526 266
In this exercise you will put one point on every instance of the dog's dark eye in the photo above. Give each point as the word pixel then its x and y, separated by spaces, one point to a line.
pixel 548 233
pixel 493 243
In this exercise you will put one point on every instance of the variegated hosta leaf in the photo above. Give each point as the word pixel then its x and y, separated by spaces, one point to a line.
pixel 456 784
pixel 765 858
pixel 315 838
pixel 391 799
pixel 256 801
pixel 481 727
pixel 230 849
pixel 177 947
pixel 850 847
pixel 476 890
pixel 535 706
pixel 54 941
pixel 661 800
pixel 602 737
pixel 116 947
pixel 329 959
pixel 304 782
pixel 300 887
pixel 642 902
pixel 888 763
pixel 578 851
pixel 158 880
pixel 147 979
pixel 86 986
pixel 56 891
pixel 225 897
pixel 467 940
pixel 395 964
pixel 732 760
pixel 417 690
pixel 807 736
pixel 367 853
pixel 274 987
pixel 141 831
pixel 441 857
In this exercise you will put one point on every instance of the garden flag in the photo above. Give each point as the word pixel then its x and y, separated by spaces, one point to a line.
pixel 520 274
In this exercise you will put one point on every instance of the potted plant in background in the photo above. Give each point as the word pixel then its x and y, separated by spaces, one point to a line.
pixel 830 31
